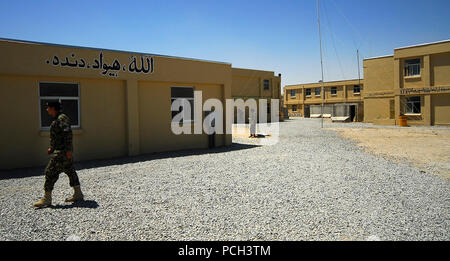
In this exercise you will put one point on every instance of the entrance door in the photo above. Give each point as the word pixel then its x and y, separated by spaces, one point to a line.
pixel 306 111
pixel 352 112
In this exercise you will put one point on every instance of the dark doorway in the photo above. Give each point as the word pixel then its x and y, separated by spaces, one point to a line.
pixel 306 111
pixel 352 112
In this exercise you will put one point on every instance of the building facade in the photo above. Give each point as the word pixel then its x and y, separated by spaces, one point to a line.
pixel 413 82
pixel 342 99
pixel 119 102
pixel 257 85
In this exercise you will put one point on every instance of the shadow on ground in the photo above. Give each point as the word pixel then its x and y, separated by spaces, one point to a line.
pixel 78 204
pixel 38 171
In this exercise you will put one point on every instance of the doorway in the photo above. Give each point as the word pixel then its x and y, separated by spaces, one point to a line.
pixel 306 111
pixel 352 112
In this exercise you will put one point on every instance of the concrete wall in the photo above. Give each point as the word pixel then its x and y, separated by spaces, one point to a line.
pixel 122 113
pixel 385 80
pixel 344 94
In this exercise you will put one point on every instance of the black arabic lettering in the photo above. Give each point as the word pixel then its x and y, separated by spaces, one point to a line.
pixel 82 63
pixel 132 66
pixel 148 65
pixel 116 65
pixel 55 60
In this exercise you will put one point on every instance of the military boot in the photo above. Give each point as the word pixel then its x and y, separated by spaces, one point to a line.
pixel 77 195
pixel 46 201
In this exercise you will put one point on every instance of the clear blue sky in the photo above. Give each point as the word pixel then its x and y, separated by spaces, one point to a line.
pixel 280 36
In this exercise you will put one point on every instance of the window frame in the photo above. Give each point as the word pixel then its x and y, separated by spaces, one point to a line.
pixel 59 98
pixel 320 91
pixel 306 92
pixel 335 91
pixel 357 86
pixel 406 66
pixel 294 106
pixel 407 102
pixel 295 93
pixel 264 85
pixel 189 99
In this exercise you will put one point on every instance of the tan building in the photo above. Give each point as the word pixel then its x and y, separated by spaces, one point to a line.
pixel 119 102
pixel 343 100
pixel 255 84
pixel 414 82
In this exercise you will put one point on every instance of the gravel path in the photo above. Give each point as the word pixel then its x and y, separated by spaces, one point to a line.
pixel 312 185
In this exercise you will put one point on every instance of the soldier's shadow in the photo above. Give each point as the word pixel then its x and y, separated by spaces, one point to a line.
pixel 78 204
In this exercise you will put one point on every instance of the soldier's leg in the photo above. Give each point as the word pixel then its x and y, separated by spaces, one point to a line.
pixel 71 173
pixel 73 181
pixel 51 176
pixel 52 171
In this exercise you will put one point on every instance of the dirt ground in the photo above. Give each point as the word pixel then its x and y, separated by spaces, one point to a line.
pixel 422 147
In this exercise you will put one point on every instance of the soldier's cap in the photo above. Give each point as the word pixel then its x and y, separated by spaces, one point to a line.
pixel 54 104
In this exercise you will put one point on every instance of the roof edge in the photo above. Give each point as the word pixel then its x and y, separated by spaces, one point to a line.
pixel 423 44
pixel 111 50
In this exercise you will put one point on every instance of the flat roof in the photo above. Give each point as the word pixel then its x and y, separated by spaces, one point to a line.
pixel 423 44
pixel 379 57
pixel 247 69
pixel 112 50
pixel 312 83
pixel 406 47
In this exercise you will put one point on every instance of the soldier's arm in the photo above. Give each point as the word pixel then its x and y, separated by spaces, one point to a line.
pixel 67 133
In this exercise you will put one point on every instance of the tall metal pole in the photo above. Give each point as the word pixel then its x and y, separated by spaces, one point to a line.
pixel 321 61
pixel 359 84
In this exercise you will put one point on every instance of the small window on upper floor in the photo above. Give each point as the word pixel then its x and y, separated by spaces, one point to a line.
pixel 412 67
pixel 356 89
pixel 266 84
pixel 333 90
pixel 293 93
pixel 308 92
pixel 317 91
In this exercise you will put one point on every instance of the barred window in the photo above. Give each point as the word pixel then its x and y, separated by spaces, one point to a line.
pixel 68 94
pixel 412 105
pixel 317 91
pixel 412 67
pixel 266 84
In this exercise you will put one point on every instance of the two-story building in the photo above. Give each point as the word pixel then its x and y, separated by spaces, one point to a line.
pixel 342 100
pixel 413 82
pixel 257 85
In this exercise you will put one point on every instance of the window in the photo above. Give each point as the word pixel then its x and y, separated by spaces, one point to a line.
pixel 266 84
pixel 333 90
pixel 187 94
pixel 412 105
pixel 317 91
pixel 294 108
pixel 293 92
pixel 68 94
pixel 308 92
pixel 412 67
pixel 356 89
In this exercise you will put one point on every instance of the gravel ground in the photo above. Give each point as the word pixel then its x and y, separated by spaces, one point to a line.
pixel 312 185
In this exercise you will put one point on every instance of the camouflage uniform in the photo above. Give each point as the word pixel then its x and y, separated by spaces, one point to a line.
pixel 60 143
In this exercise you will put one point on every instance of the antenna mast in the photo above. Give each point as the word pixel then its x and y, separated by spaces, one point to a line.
pixel 321 61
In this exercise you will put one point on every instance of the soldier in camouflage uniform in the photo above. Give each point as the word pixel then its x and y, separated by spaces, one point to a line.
pixel 61 160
